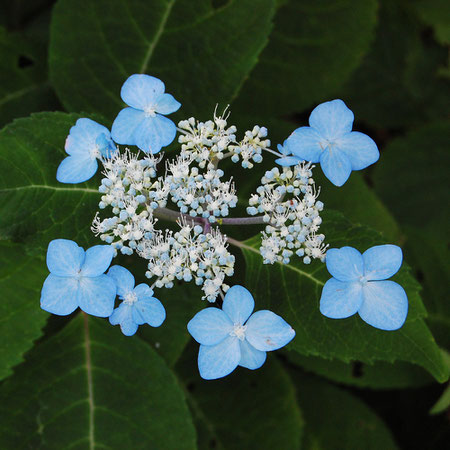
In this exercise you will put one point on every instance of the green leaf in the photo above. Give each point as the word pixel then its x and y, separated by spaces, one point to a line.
pixel 246 410
pixel 398 83
pixel 359 204
pixel 423 216
pixel 181 302
pixel 25 87
pixel 201 53
pixel 21 318
pixel 337 420
pixel 91 387
pixel 380 375
pixel 313 49
pixel 432 12
pixel 293 291
pixel 34 207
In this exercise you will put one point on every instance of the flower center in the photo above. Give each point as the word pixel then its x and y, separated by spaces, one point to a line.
pixel 238 331
pixel 150 111
pixel 130 298
pixel 95 152
pixel 327 143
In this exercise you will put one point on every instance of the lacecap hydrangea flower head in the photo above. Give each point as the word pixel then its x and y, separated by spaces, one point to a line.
pixel 141 186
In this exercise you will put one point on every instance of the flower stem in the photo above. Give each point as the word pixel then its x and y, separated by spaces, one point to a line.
pixel 173 216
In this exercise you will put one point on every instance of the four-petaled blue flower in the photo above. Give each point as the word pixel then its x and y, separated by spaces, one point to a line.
pixel 330 140
pixel 233 336
pixel 143 124
pixel 77 279
pixel 357 286
pixel 138 304
pixel 287 159
pixel 87 141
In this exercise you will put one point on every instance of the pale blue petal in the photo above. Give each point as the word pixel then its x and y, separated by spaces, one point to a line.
pixel 76 169
pixel 304 142
pixel 59 295
pixel 340 299
pixel 125 125
pixel 123 316
pixel 217 361
pixel 136 315
pixel 385 305
pixel 345 264
pixel 129 327
pixel 123 278
pixel 287 161
pixel 283 149
pixel 332 119
pixel 382 261
pixel 64 257
pixel 250 357
pixel 96 295
pixel 106 145
pixel 83 136
pixel 335 165
pixel 97 260
pixel 238 304
pixel 120 314
pixel 360 149
pixel 154 133
pixel 267 331
pixel 151 310
pixel 141 91
pixel 210 326
pixel 143 290
pixel 166 104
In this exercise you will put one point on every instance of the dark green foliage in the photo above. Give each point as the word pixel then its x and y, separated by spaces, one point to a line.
pixel 89 386
pixel 73 382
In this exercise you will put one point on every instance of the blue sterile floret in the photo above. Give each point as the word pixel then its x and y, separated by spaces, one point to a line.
pixel 330 140
pixel 233 336
pixel 359 286
pixel 288 159
pixel 138 304
pixel 87 142
pixel 77 279
pixel 143 123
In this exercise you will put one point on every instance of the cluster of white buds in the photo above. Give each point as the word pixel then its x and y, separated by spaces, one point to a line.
pixel 250 148
pixel 199 194
pixel 211 141
pixel 206 141
pixel 287 201
pixel 189 254
pixel 125 189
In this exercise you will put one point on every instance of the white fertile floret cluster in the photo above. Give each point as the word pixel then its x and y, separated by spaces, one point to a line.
pixel 125 188
pixel 287 200
pixel 189 254
pixel 199 194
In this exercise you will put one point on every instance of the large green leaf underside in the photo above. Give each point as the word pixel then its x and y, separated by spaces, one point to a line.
pixel 337 420
pixel 21 318
pixel 89 387
pixel 246 410
pixel 313 49
pixel 293 291
pixel 405 169
pixel 34 207
pixel 202 54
